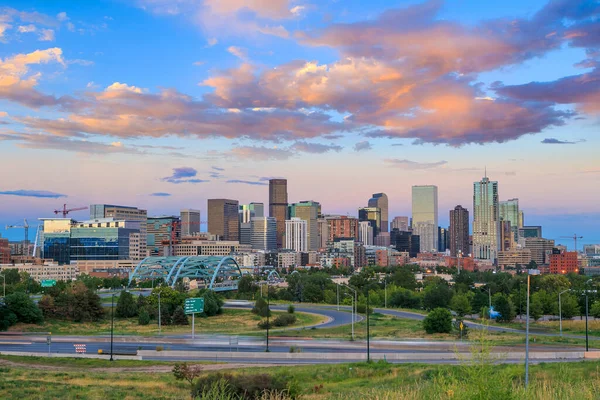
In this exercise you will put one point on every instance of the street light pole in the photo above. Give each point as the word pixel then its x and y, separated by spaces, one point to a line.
pixel 353 308
pixel 268 312
pixel 385 292
pixel 338 296
pixel 587 343
pixel 159 313
pixel 368 341
pixel 112 324
pixel 560 310
pixel 529 273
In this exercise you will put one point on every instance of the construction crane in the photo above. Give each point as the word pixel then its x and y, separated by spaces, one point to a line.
pixel 24 226
pixel 65 211
pixel 574 237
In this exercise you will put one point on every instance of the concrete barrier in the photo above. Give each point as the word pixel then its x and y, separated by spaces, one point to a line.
pixel 68 355
pixel 592 355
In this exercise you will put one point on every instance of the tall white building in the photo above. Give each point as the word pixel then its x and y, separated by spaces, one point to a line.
pixel 365 233
pixel 425 216
pixel 264 233
pixel 486 220
pixel 190 222
pixel 296 234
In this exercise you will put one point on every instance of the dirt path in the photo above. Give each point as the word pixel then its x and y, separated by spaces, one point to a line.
pixel 148 369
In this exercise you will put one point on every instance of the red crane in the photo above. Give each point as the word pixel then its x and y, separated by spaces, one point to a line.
pixel 66 210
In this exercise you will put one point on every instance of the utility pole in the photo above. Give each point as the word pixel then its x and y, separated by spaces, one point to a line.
pixel 159 313
pixel 268 312
pixel 338 296
pixel 368 339
pixel 560 309
pixel 112 324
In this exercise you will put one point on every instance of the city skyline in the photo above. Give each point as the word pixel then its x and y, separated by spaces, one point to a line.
pixel 279 91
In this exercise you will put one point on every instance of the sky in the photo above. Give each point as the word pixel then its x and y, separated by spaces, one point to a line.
pixel 162 104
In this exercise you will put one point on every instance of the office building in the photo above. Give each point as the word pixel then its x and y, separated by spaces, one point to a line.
pixel 372 215
pixel 591 249
pixel 296 234
pixel 486 220
pixel 380 200
pixel 509 211
pixel 425 216
pixel 507 236
pixel 383 239
pixel 264 233
pixel 514 258
pixel 190 222
pixel 223 219
pixel 246 233
pixel 521 219
pixel 323 232
pixel 405 242
pixel 365 233
pixel 278 206
pixel 530 232
pixel 401 223
pixel 459 231
pixel 125 213
pixel 257 209
pixel 563 262
pixel 341 227
pixel 195 247
pixel 46 271
pixel 161 233
pixel 443 239
pixel 103 239
pixel 309 212
pixel 540 249
pixel 55 239
pixel 249 211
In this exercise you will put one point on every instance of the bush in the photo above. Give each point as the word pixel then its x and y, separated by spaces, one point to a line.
pixel 261 308
pixel 7 318
pixel 461 305
pixel 213 303
pixel 291 309
pixel 405 298
pixel 362 309
pixel 505 307
pixel 438 321
pixel 143 317
pixel 284 320
pixel 249 386
pixel 595 309
pixel 179 317
pixel 126 306
pixel 24 308
pixel 264 324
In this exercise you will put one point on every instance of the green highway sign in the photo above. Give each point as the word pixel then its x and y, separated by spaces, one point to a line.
pixel 48 282
pixel 194 305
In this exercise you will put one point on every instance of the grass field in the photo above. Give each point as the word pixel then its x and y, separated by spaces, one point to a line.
pixel 230 322
pixel 569 327
pixel 41 379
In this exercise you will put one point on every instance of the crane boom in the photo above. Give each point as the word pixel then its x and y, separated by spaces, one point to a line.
pixel 65 211
pixel 574 237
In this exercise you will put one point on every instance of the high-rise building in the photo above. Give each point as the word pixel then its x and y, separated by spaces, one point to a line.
pixel 125 213
pixel 264 233
pixel 4 251
pixel 296 234
pixel 425 216
pixel 459 231
pixel 530 232
pixel 443 239
pixel 103 239
pixel 223 219
pixel 400 223
pixel 249 211
pixel 380 200
pixel 190 222
pixel 405 242
pixel 486 220
pixel 563 262
pixel 521 219
pixel 309 212
pixel 365 233
pixel 507 236
pixel 162 232
pixel 55 240
pixel 257 209
pixel 278 206
pixel 323 232
pixel 509 211
pixel 372 215
pixel 341 227
pixel 540 249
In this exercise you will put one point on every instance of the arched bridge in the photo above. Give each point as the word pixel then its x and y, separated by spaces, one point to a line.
pixel 217 273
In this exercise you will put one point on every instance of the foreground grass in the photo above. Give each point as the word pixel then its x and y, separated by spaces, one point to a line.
pixel 569 327
pixel 232 321
pixel 481 380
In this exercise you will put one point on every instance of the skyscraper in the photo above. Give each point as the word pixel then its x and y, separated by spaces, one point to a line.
pixel 341 227
pixel 278 206
pixel 459 231
pixel 190 222
pixel 443 239
pixel 400 223
pixel 223 219
pixel 365 233
pixel 308 211
pixel 249 211
pixel 264 233
pixel 257 209
pixel 373 215
pixel 509 211
pixel 296 234
pixel 99 211
pixel 486 220
pixel 380 200
pixel 425 216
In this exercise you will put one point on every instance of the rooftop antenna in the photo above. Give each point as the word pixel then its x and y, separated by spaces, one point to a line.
pixel 485 171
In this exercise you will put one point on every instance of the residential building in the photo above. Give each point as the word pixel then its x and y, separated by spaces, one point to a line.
pixel 264 233
pixel 563 262
pixel 296 235
pixel 591 249
pixel 400 223
pixel 540 249
pixel 323 232
pixel 4 251
pixel 365 233
pixel 162 232
pixel 486 220
pixel 405 242
pixel 459 231
pixel 55 239
pixel 309 212
pixel 373 215
pixel 102 239
pixel 340 252
pixel 223 219
pixel 287 259
pixel 125 213
pixel 530 232
pixel 190 222
pixel 194 247
pixel 278 206
pixel 425 216
pixel 380 200
pixel 514 258
pixel 341 227
pixel 509 212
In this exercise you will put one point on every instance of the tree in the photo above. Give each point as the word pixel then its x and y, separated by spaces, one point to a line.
pixel 405 298
pixel 595 309
pixel 438 320
pixel 188 373
pixel 126 306
pixel 24 308
pixel 261 308
pixel 362 279
pixel 7 318
pixel 536 310
pixel 213 303
pixel 179 317
pixel 141 302
pixel 504 307
pixel 461 304
pixel 246 285
pixel 143 317
pixel 437 294
pixel 569 306
pixel 404 278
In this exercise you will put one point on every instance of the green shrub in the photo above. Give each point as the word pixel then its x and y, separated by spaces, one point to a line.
pixel 249 386
pixel 126 306
pixel 179 317
pixel 144 317
pixel 361 308
pixel 439 320
pixel 261 308
pixel 24 308
pixel 291 309
pixel 405 298
pixel 264 324
pixel 284 320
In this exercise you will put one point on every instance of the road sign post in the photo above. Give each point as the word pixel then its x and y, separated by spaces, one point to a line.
pixel 192 306
pixel 49 342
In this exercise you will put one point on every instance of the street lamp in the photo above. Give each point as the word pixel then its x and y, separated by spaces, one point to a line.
pixel 385 292
pixel 353 308
pixel 560 309
pixel 268 312
pixel 112 324
pixel 159 313
pixel 529 273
